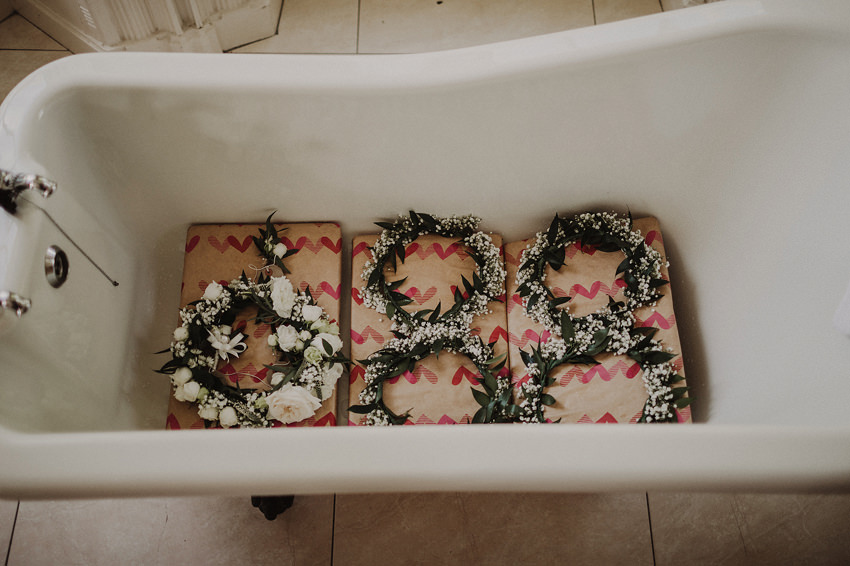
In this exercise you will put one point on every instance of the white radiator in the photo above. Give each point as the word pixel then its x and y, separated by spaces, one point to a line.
pixel 153 25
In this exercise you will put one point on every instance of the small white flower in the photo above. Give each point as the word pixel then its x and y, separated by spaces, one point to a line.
pixel 181 334
pixel 181 376
pixel 311 313
pixel 277 377
pixel 287 337
pixel 283 296
pixel 213 291
pixel 228 417
pixel 279 249
pixel 291 404
pixel 226 345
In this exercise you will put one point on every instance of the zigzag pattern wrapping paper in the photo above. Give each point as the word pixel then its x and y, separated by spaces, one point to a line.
pixel 438 389
pixel 220 252
pixel 612 391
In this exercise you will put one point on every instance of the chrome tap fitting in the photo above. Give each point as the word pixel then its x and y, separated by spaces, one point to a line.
pixel 14 302
pixel 12 185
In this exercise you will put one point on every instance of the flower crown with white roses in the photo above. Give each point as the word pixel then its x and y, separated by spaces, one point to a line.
pixel 306 343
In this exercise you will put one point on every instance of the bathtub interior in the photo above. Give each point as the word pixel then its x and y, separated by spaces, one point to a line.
pixel 737 143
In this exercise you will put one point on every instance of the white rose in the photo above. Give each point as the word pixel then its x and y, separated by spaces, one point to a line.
pixel 188 391
pixel 333 340
pixel 305 335
pixel 272 340
pixel 181 334
pixel 313 355
pixel 213 291
pixel 208 413
pixel 227 417
pixel 181 376
pixel 329 378
pixel 277 377
pixel 287 337
pixel 283 296
pixel 279 249
pixel 311 312
pixel 291 404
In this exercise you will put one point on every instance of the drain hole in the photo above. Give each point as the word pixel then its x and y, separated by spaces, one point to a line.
pixel 55 266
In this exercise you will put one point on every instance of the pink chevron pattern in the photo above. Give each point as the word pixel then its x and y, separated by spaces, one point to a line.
pixel 202 285
pixel 527 336
pixel 516 300
pixel 360 248
pixel 413 377
pixel 420 297
pixel 315 247
pixel 357 372
pixel 651 236
pixel 261 330
pixel 230 241
pixel 656 319
pixel 606 418
pixel 570 375
pixel 435 248
pixel 368 332
pixel 248 371
pixel 324 287
pixel 462 373
pixel 327 420
pixel 498 333
pixel 571 250
pixel 595 288
pixel 171 422
pixel 606 374
pixel 512 259
pixel 355 296
pixel 190 245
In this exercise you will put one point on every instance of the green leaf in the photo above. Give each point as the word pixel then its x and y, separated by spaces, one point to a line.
pixel 362 409
pixel 482 398
pixel 547 400
pixel 567 328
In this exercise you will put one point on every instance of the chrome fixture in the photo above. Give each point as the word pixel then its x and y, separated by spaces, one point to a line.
pixel 14 302
pixel 12 185
pixel 55 266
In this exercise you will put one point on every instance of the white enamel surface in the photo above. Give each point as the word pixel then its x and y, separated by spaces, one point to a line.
pixel 728 122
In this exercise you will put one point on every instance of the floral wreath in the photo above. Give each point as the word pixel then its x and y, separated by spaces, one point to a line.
pixel 420 334
pixel 304 339
pixel 609 329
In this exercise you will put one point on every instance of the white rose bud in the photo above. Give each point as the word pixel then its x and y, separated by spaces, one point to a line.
pixel 181 376
pixel 305 335
pixel 225 329
pixel 313 355
pixel 272 340
pixel 280 249
pixel 208 413
pixel 333 341
pixel 287 337
pixel 277 377
pixel 213 291
pixel 227 417
pixel 181 334
pixel 311 312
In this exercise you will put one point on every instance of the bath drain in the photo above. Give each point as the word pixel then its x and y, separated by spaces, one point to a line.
pixel 55 266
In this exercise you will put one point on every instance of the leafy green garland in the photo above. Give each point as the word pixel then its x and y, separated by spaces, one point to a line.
pixel 420 334
pixel 305 340
pixel 611 329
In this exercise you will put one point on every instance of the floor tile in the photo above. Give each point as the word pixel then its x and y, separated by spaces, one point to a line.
pixel 411 26
pixel 493 529
pixel 187 531
pixel 8 510
pixel 17 33
pixel 733 529
pixel 15 65
pixel 614 10
pixel 307 26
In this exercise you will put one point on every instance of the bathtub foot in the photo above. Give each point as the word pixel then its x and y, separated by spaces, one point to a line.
pixel 272 506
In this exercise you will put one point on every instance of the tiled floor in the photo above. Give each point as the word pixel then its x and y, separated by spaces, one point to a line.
pixel 449 528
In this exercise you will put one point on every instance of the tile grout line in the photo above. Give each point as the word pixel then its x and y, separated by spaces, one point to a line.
pixel 651 537
pixel 12 536
pixel 357 40
pixel 333 530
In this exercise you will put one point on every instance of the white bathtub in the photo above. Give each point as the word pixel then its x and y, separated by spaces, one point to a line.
pixel 729 122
